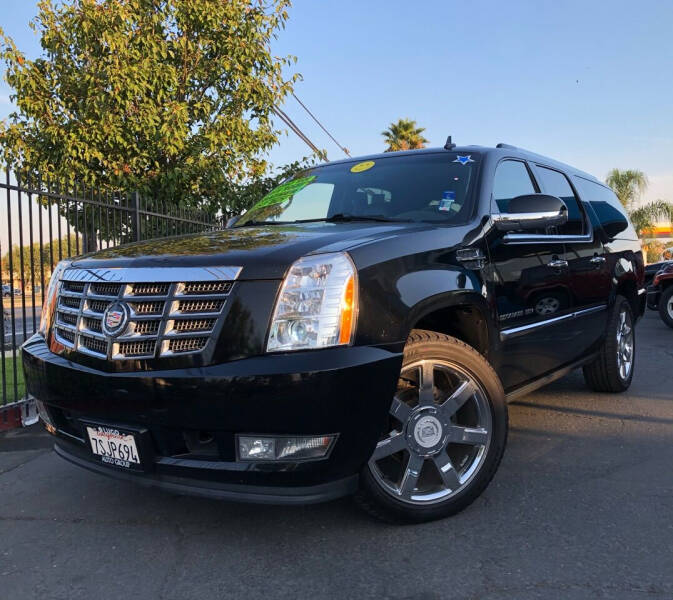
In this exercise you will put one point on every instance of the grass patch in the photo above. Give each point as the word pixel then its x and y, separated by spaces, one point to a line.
pixel 9 374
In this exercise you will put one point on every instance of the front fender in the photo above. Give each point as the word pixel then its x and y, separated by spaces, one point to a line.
pixel 395 298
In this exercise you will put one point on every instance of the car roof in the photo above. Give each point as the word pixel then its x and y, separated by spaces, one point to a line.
pixel 500 151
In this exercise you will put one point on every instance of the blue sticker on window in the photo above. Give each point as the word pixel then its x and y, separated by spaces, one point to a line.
pixel 463 160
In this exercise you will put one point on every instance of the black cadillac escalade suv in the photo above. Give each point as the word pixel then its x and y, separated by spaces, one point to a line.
pixel 359 330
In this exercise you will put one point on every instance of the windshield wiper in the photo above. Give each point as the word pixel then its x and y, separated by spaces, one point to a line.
pixel 253 223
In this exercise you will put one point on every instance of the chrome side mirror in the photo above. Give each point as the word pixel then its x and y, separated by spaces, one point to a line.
pixel 532 211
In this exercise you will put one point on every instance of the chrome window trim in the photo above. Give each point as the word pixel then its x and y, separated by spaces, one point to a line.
pixel 536 238
pixel 514 332
pixel 532 238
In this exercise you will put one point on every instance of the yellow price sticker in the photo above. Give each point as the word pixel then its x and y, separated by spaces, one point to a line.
pixel 363 166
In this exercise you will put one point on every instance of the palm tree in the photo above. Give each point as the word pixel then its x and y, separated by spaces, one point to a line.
pixel 404 135
pixel 648 215
pixel 628 186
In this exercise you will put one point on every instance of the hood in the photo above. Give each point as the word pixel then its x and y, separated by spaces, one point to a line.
pixel 264 252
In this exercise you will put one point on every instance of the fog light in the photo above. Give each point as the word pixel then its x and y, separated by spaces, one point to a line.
pixel 284 448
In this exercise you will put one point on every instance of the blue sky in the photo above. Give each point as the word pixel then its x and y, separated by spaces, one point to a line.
pixel 588 83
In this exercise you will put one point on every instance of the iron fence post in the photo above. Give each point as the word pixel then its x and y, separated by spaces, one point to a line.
pixel 136 215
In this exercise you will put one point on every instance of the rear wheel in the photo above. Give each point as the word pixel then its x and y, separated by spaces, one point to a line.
pixel 612 371
pixel 666 306
pixel 445 435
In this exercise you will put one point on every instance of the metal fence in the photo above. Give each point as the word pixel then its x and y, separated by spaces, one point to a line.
pixel 42 223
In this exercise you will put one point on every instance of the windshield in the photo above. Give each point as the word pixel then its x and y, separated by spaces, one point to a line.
pixel 425 187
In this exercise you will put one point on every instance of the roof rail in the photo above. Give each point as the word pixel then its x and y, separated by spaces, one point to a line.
pixel 508 146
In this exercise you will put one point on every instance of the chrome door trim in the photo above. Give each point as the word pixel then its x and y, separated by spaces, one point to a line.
pixel 535 238
pixel 514 332
pixel 151 274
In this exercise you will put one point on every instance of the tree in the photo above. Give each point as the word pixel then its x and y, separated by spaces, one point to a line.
pixel 41 262
pixel 648 215
pixel 627 185
pixel 404 135
pixel 170 97
pixel 239 197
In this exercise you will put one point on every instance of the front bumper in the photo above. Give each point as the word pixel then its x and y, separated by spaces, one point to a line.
pixel 346 391
pixel 653 295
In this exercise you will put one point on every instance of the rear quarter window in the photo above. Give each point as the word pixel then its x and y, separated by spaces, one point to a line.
pixel 606 206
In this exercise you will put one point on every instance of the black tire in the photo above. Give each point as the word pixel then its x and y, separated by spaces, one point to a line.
pixel 603 374
pixel 665 306
pixel 430 346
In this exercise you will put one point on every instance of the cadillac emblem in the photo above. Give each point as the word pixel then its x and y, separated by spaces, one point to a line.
pixel 115 319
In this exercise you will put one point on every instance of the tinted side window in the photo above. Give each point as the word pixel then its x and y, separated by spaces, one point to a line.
pixel 607 207
pixel 557 184
pixel 511 180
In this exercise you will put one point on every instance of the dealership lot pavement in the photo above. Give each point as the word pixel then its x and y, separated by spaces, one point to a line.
pixel 582 507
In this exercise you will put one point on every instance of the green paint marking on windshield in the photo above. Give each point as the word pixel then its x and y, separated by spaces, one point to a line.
pixel 284 192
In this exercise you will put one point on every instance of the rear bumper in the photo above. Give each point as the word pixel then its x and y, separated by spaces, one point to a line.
pixel 344 391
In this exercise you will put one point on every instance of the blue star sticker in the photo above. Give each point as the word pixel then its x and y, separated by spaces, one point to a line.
pixel 463 160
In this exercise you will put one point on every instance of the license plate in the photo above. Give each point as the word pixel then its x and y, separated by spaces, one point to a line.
pixel 114 447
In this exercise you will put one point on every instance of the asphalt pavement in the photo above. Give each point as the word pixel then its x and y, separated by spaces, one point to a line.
pixel 582 507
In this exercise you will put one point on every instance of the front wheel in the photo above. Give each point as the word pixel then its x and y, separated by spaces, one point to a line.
pixel 445 433
pixel 666 306
pixel 612 371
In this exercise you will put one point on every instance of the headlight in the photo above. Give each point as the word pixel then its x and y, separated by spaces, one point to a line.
pixel 50 298
pixel 317 305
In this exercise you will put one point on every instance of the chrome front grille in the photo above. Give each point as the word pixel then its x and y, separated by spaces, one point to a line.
pixel 178 346
pixel 148 308
pixel 200 306
pixel 105 289
pixel 97 306
pixel 169 311
pixel 150 289
pixel 146 327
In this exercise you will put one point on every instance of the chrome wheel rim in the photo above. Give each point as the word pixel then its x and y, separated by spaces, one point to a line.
pixel 669 307
pixel 624 344
pixel 440 429
pixel 547 306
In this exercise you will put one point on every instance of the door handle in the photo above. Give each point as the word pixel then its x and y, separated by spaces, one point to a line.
pixel 597 260
pixel 557 263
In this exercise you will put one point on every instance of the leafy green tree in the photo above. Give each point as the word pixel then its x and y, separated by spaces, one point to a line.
pixel 404 135
pixel 170 97
pixel 628 186
pixel 239 197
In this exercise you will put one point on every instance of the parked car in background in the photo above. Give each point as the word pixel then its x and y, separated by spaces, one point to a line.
pixel 7 290
pixel 359 330
pixel 653 268
pixel 660 294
